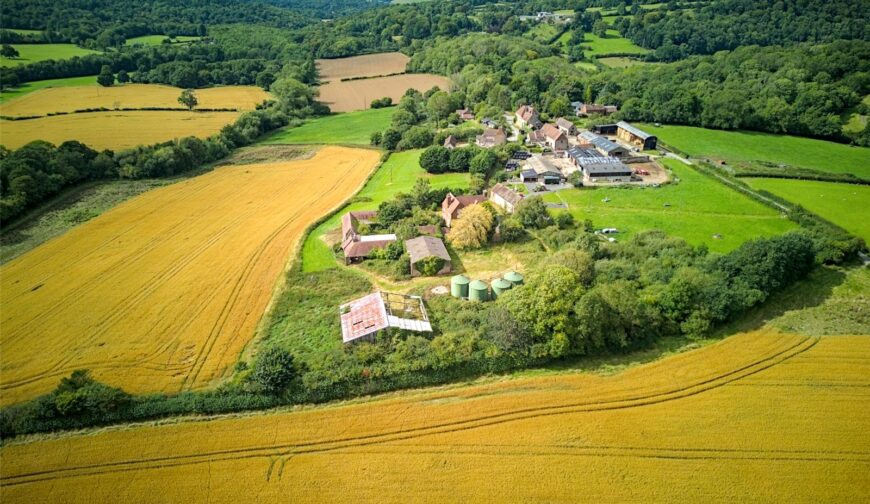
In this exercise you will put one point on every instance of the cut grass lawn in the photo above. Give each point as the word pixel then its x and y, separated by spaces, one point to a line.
pixel 31 53
pixel 23 89
pixel 397 175
pixel 614 44
pixel 843 204
pixel 747 146
pixel 152 40
pixel 698 208
pixel 349 128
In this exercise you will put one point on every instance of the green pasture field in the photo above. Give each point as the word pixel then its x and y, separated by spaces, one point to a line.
pixel 31 53
pixel 21 31
pixel 623 62
pixel 845 205
pixel 347 128
pixel 543 33
pixel 613 44
pixel 854 122
pixel 398 174
pixel 151 40
pixel 29 87
pixel 745 146
pixel 694 209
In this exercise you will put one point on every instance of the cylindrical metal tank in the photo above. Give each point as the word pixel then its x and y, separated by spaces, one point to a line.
pixel 514 278
pixel 478 291
pixel 459 286
pixel 499 286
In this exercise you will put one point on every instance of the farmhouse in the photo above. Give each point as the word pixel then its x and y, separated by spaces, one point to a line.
pixel 635 136
pixel 505 198
pixel 430 248
pixel 587 109
pixel 491 138
pixel 588 139
pixel 555 138
pixel 544 170
pixel 452 205
pixel 465 114
pixel 566 126
pixel 363 318
pixel 527 117
pixel 355 245
pixel 450 142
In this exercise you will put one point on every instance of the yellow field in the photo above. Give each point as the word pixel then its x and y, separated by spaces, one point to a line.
pixel 369 65
pixel 163 292
pixel 345 96
pixel 759 417
pixel 114 130
pixel 69 99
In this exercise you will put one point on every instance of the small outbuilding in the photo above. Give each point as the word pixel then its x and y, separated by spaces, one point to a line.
pixel 426 250
pixel 363 318
pixel 505 198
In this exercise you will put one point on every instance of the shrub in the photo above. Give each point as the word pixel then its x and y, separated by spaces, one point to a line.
pixel 274 370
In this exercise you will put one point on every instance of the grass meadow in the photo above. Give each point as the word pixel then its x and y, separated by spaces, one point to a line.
pixel 747 146
pixel 845 205
pixel 152 40
pixel 23 89
pixel 696 208
pixel 614 43
pixel 397 175
pixel 354 128
pixel 31 53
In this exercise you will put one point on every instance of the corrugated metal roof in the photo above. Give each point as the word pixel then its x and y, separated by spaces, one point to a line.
pixel 643 135
pixel 369 314
pixel 600 142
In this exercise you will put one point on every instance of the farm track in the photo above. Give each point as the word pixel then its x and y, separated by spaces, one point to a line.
pixel 780 350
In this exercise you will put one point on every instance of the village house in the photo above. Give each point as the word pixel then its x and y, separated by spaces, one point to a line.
pixel 450 142
pixel 505 198
pixel 590 140
pixel 555 138
pixel 527 117
pixel 635 136
pixel 424 247
pixel 452 205
pixel 491 138
pixel 465 114
pixel 363 318
pixel 566 126
pixel 356 246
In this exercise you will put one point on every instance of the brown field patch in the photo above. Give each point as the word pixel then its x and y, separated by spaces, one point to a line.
pixel 115 130
pixel 763 416
pixel 368 65
pixel 345 96
pixel 70 99
pixel 162 293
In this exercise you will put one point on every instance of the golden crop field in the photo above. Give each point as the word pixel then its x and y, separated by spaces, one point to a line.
pixel 114 130
pixel 163 292
pixel 70 99
pixel 369 65
pixel 345 96
pixel 758 417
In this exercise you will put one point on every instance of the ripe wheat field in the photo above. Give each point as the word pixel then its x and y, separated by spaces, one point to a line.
pixel 163 292
pixel 762 416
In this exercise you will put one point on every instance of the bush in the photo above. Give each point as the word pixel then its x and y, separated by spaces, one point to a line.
pixel 435 159
pixel 532 213
pixel 429 266
pixel 382 102
pixel 274 370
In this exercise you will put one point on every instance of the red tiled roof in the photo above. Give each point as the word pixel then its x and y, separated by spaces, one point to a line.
pixel 551 131
pixel 363 316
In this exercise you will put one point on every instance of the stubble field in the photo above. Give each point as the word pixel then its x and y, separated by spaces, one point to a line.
pixel 762 416
pixel 163 292
pixel 345 96
pixel 368 65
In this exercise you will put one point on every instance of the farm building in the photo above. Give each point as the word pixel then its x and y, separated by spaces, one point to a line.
pixel 424 248
pixel 505 198
pixel 491 138
pixel 362 318
pixel 452 205
pixel 536 137
pixel 635 136
pixel 527 117
pixel 450 142
pixel 587 139
pixel 465 114
pixel 586 109
pixel 355 245
pixel 555 138
pixel 566 126
pixel 607 172
pixel 604 129
pixel 528 175
pixel 544 170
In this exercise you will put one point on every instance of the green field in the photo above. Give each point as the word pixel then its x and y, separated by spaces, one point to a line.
pixel 594 45
pixel 397 175
pixel 31 53
pixel 151 40
pixel 21 31
pixel 622 62
pixel 23 89
pixel 743 146
pixel 845 205
pixel 347 128
pixel 543 33
pixel 699 208
pixel 854 122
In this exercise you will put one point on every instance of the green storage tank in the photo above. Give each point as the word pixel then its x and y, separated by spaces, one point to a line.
pixel 499 286
pixel 459 286
pixel 514 278
pixel 478 291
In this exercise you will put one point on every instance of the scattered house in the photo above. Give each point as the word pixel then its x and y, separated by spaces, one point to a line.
pixel 488 123
pixel 504 197
pixel 491 137
pixel 635 136
pixel 356 246
pixel 555 138
pixel 589 139
pixel 544 170
pixel 452 205
pixel 527 117
pixel 450 142
pixel 362 318
pixel 587 109
pixel 566 126
pixel 465 114
pixel 424 247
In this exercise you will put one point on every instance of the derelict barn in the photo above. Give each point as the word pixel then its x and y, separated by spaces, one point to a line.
pixel 363 318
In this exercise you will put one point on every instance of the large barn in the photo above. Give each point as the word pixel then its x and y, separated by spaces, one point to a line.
pixel 635 136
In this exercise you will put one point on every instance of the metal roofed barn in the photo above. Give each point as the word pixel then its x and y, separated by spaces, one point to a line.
pixel 362 318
